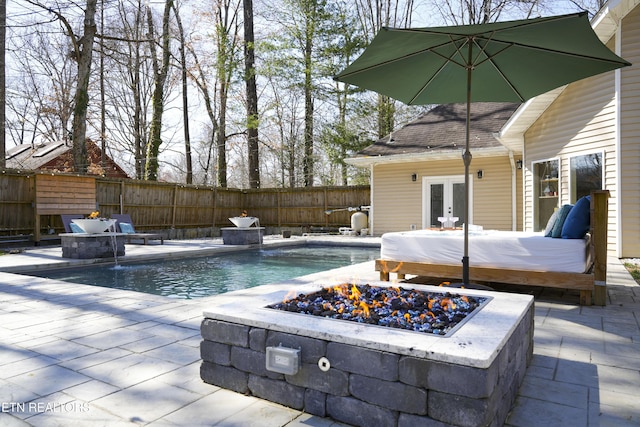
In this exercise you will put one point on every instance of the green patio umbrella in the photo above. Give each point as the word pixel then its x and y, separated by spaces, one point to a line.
pixel 503 61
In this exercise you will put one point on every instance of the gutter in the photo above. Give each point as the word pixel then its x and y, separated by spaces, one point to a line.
pixel 366 161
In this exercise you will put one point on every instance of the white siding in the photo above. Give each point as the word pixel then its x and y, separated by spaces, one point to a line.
pixel 581 120
pixel 630 137
pixel 397 200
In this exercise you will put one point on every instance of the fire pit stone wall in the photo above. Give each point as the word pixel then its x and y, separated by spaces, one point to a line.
pixel 371 380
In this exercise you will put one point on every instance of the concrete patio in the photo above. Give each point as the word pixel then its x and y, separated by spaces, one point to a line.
pixel 78 355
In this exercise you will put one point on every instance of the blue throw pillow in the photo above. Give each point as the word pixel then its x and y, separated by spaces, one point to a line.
pixel 577 223
pixel 562 216
pixel 552 221
pixel 126 228
pixel 75 228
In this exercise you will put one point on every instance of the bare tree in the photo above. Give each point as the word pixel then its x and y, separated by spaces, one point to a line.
pixel 200 76
pixel 373 15
pixel 129 84
pixel 3 98
pixel 302 32
pixel 82 52
pixel 285 136
pixel 252 96
pixel 160 71
pixel 461 12
pixel 226 39
pixel 41 95
pixel 185 98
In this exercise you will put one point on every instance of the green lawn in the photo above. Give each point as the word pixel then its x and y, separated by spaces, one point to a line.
pixel 634 269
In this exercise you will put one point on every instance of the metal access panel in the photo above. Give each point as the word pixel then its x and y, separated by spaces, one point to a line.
pixel 283 360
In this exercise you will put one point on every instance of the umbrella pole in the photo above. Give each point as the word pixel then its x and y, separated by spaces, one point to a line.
pixel 466 158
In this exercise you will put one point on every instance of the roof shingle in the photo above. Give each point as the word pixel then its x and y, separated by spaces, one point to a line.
pixel 443 128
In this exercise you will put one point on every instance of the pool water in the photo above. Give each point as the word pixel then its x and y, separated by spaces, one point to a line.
pixel 200 277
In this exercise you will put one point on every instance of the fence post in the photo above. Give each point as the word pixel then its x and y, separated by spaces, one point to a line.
pixel 175 206
pixel 36 218
pixel 279 198
pixel 213 213
pixel 121 197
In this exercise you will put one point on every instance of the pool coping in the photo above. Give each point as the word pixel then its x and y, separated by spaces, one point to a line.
pixel 50 258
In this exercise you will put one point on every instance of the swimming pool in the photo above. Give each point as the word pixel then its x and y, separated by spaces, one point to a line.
pixel 204 276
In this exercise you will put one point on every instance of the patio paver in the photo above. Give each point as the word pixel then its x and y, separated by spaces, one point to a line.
pixel 118 357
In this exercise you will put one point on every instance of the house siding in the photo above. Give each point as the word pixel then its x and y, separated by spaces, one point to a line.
pixel 629 156
pixel 397 200
pixel 581 120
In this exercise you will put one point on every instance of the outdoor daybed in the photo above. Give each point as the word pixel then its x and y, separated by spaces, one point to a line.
pixel 509 257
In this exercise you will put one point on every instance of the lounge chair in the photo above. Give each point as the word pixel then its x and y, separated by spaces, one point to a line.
pixel 69 227
pixel 125 225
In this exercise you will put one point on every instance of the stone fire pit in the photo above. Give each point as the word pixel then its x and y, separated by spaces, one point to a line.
pixel 369 375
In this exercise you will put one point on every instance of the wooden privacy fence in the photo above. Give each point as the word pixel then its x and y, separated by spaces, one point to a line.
pixel 31 204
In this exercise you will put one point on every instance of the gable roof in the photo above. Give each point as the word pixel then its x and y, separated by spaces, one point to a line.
pixel 57 157
pixel 440 134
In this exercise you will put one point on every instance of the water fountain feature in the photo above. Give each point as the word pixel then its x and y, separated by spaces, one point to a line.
pixel 114 242
pixel 247 231
pixel 95 242
pixel 94 225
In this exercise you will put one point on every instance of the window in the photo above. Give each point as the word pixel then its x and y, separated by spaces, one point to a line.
pixel 546 188
pixel 586 175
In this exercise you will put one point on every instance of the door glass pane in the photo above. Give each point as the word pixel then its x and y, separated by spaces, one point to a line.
pixel 437 204
pixel 458 203
pixel 586 175
pixel 547 187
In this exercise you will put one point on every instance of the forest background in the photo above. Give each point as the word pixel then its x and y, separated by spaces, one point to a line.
pixel 227 93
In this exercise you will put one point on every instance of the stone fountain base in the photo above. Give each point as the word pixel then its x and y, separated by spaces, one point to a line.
pixel 90 246
pixel 242 236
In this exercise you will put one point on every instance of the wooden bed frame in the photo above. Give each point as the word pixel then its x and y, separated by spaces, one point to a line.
pixel 592 285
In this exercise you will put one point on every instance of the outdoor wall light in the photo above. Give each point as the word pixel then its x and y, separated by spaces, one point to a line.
pixel 414 177
pixel 518 164
pixel 480 173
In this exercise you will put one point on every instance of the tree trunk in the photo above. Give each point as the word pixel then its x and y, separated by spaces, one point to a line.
pixel 222 136
pixel 386 114
pixel 84 52
pixel 137 118
pixel 307 166
pixel 160 71
pixel 252 97
pixel 185 101
pixel 201 82
pixel 3 93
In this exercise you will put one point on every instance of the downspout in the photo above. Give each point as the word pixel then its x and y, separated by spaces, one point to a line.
pixel 514 206
pixel 372 208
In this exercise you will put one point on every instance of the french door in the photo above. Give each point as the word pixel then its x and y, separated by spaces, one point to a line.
pixel 444 197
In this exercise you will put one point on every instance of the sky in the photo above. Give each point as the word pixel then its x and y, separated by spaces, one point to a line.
pixel 19 11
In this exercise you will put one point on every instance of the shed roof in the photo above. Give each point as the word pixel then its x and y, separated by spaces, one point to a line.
pixel 441 133
pixel 57 157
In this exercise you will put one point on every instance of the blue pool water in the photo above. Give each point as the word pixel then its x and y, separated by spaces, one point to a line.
pixel 200 277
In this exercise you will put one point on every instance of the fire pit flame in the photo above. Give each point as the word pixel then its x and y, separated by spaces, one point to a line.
pixel 420 311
